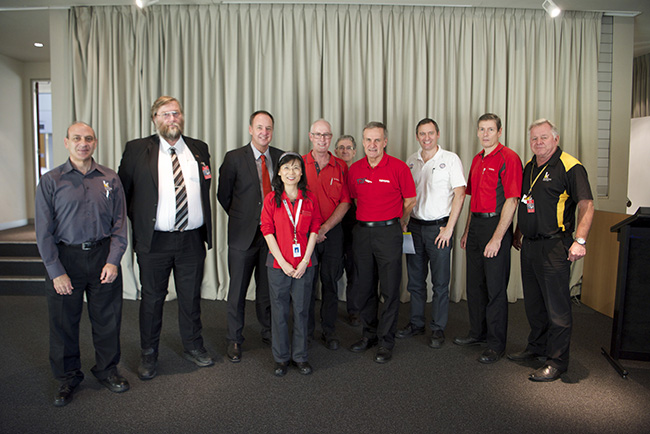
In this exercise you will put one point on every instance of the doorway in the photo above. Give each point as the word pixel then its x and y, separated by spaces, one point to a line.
pixel 42 126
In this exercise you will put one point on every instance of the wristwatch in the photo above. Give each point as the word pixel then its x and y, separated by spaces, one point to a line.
pixel 581 241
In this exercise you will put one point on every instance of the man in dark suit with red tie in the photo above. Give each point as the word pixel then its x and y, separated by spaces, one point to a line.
pixel 244 179
pixel 166 180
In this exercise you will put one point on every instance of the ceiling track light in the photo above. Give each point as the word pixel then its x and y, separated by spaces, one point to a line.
pixel 551 8
pixel 144 3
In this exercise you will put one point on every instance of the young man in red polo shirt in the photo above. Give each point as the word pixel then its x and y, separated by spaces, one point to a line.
pixel 494 185
pixel 384 191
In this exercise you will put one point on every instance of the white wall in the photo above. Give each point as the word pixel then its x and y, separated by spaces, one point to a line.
pixel 639 175
pixel 13 177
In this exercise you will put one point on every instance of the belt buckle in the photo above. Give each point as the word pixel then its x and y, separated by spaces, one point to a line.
pixel 87 246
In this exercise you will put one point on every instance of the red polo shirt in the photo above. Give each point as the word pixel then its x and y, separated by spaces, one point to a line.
pixel 275 221
pixel 330 185
pixel 380 191
pixel 493 178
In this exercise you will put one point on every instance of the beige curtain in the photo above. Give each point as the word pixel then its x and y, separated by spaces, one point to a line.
pixel 641 86
pixel 346 63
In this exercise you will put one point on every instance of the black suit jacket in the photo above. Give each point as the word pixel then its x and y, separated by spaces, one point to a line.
pixel 239 194
pixel 139 174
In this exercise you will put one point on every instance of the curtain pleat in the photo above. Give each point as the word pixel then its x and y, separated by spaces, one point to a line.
pixel 346 63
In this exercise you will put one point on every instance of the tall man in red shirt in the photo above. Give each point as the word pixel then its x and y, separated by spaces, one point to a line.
pixel 494 185
pixel 384 192
pixel 327 179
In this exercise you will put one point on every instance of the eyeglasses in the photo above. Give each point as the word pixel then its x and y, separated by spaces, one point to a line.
pixel 345 148
pixel 322 135
pixel 168 115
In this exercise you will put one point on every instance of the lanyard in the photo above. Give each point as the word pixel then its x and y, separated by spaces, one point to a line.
pixel 294 222
pixel 532 183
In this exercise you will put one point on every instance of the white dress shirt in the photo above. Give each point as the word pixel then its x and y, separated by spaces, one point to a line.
pixel 166 212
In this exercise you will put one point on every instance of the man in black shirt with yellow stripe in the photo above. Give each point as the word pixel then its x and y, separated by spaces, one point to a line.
pixel 554 184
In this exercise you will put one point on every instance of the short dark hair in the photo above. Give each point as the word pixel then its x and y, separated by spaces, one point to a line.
pixel 261 112
pixel 490 117
pixel 424 122
pixel 278 185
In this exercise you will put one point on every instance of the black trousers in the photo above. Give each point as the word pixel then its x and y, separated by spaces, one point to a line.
pixel 84 268
pixel 330 270
pixel 348 266
pixel 379 247
pixel 241 265
pixel 545 274
pixel 487 282
pixel 184 254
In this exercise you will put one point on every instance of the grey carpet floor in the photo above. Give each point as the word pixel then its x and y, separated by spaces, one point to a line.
pixel 420 391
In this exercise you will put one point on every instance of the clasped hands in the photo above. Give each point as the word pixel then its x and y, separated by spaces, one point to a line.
pixel 297 272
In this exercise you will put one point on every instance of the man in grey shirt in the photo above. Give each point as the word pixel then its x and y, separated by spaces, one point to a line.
pixel 81 236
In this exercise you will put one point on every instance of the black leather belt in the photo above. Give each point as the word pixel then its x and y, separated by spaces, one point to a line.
pixel 484 215
pixel 88 245
pixel 378 224
pixel 438 222
pixel 548 237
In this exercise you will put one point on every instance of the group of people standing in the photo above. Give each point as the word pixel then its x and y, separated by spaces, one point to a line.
pixel 295 221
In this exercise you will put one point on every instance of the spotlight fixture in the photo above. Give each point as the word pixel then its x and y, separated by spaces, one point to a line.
pixel 144 3
pixel 551 8
pixel 38 44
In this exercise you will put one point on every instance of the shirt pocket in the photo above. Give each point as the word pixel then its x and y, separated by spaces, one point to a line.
pixel 305 222
pixel 335 187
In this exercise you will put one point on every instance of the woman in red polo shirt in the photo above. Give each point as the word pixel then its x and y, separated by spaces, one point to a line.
pixel 290 223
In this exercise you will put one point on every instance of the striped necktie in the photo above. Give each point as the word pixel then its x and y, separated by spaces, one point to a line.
pixel 181 193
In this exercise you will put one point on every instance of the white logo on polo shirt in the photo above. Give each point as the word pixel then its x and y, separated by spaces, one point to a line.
pixel 384 180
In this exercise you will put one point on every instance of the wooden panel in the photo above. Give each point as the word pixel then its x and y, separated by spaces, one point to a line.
pixel 601 263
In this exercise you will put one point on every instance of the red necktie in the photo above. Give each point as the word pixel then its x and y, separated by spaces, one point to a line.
pixel 266 181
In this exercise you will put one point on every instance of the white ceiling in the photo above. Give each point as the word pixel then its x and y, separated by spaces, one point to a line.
pixel 23 22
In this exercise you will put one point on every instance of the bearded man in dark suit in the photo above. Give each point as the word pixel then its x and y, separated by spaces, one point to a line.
pixel 166 180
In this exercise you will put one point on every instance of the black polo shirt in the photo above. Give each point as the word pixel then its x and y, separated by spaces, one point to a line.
pixel 558 186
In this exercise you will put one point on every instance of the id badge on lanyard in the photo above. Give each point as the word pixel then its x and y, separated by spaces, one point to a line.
pixel 295 247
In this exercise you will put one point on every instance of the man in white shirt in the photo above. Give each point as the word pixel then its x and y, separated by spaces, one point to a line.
pixel 440 186
pixel 166 179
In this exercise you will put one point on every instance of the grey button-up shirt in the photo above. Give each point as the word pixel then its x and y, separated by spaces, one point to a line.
pixel 73 208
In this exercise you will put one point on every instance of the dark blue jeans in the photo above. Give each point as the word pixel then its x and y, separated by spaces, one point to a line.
pixel 439 260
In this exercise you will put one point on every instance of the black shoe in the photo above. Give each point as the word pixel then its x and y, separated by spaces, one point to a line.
pixel 64 395
pixel 468 340
pixel 330 342
pixel 437 339
pixel 363 345
pixel 115 383
pixel 383 355
pixel 280 369
pixel 304 368
pixel 199 357
pixel 266 339
pixel 234 352
pixel 409 331
pixel 148 364
pixel 354 320
pixel 546 373
pixel 490 356
pixel 525 355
